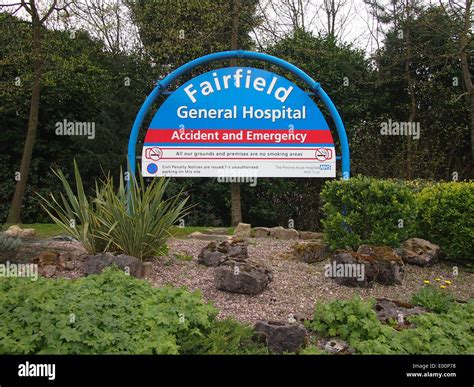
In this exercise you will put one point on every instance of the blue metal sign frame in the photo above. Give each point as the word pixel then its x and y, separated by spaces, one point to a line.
pixel 239 54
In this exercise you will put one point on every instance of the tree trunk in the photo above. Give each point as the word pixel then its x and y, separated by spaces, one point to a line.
pixel 411 91
pixel 236 211
pixel 464 43
pixel 14 214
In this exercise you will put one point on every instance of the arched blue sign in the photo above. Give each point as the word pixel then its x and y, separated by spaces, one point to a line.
pixel 239 119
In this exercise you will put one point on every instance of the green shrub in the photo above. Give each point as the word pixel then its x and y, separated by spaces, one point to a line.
pixel 355 321
pixel 226 337
pixel 446 217
pixel 448 333
pixel 101 314
pixel 113 313
pixel 364 210
pixel 435 299
pixel 135 223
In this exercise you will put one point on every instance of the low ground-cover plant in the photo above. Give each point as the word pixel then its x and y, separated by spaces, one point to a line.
pixel 365 210
pixel 446 216
pixel 135 222
pixel 355 321
pixel 112 313
pixel 433 298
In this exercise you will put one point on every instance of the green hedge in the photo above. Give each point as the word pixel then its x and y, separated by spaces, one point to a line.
pixel 446 217
pixel 365 210
pixel 356 322
pixel 112 313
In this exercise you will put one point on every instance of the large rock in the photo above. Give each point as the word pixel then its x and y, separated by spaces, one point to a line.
pixel 242 231
pixel 16 231
pixel 281 337
pixel 389 265
pixel 94 264
pixel 421 252
pixel 242 277
pixel 261 232
pixel 284 233
pixel 310 252
pixel 337 346
pixel 215 254
pixel 370 264
pixel 397 311
pixel 351 269
pixel 48 271
pixel 208 237
pixel 215 231
pixel 309 235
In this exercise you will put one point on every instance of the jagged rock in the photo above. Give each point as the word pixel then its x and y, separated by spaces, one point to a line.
pixel 284 233
pixel 69 265
pixel 242 230
pixel 389 265
pixel 307 235
pixel 215 254
pixel 208 237
pixel 48 271
pixel 417 251
pixel 242 277
pixel 47 258
pixel 310 252
pixel 370 264
pixel 215 231
pixel 261 232
pixel 94 264
pixel 281 337
pixel 337 346
pixel 64 238
pixel 397 311
pixel 18 232
pixel 351 269
pixel 147 269
pixel 67 251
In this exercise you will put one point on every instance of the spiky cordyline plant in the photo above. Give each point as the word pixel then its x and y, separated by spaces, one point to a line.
pixel 135 223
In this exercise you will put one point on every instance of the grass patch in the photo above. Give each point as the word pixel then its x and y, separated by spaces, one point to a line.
pixel 182 232
pixel 48 230
pixel 43 230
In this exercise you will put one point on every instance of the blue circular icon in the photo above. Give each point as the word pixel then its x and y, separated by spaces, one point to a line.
pixel 152 168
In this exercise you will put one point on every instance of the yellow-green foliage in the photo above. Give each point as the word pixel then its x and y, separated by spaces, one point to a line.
pixel 446 217
pixel 365 210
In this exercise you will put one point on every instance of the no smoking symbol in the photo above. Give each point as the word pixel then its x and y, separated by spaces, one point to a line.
pixel 323 154
pixel 153 154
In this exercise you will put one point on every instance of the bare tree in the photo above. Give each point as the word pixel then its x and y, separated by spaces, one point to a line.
pixel 463 11
pixel 108 20
pixel 236 209
pixel 39 12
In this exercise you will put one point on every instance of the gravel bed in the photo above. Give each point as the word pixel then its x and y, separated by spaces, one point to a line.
pixel 296 285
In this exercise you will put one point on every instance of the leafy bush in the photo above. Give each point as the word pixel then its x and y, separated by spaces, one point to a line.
pixel 355 321
pixel 135 222
pixel 364 210
pixel 435 299
pixel 226 337
pixel 111 313
pixel 446 217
